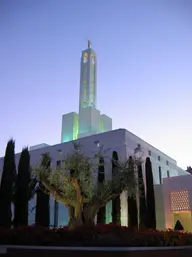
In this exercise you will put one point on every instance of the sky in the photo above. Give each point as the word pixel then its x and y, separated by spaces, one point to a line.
pixel 144 53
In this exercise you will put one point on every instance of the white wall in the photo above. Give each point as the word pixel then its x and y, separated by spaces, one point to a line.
pixel 106 122
pixel 166 163
pixel 68 124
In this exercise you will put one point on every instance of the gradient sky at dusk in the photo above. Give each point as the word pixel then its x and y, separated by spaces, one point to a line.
pixel 144 52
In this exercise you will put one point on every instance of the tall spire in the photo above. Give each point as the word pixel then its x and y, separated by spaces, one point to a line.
pixel 88 77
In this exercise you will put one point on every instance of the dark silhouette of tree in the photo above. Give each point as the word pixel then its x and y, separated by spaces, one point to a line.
pixel 178 226
pixel 150 196
pixel 56 204
pixel 189 170
pixel 142 200
pixel 132 212
pixel 132 203
pixel 7 184
pixel 22 190
pixel 101 178
pixel 42 215
pixel 116 203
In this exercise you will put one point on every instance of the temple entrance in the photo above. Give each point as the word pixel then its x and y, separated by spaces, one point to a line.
pixel 185 219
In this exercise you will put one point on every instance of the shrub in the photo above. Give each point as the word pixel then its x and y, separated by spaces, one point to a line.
pixel 114 235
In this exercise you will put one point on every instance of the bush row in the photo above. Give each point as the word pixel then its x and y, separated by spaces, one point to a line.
pixel 101 235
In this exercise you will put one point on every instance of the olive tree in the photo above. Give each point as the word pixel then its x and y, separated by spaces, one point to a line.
pixel 74 185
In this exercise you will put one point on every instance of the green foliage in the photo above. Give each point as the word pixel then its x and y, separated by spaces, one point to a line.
pixel 123 179
pixel 75 183
pixel 46 160
pixel 7 183
pixel 22 190
pixel 150 196
pixel 58 181
pixel 42 214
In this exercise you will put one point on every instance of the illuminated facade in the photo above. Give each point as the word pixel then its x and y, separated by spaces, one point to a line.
pixel 177 199
pixel 69 129
pixel 105 123
pixel 88 79
pixel 89 120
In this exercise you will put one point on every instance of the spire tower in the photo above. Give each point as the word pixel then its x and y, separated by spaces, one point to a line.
pixel 89 120
pixel 88 78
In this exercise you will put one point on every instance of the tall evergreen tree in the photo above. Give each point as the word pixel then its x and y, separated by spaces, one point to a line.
pixel 150 196
pixel 132 212
pixel 42 214
pixel 6 187
pixel 142 200
pixel 101 178
pixel 132 203
pixel 116 203
pixel 22 190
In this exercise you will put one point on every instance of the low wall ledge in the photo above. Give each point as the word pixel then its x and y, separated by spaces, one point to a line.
pixel 3 248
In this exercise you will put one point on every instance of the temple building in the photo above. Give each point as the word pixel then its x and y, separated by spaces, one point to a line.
pixel 172 185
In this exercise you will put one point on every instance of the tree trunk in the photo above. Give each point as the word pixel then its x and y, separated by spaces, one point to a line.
pixel 86 217
pixel 70 213
pixel 75 223
pixel 80 221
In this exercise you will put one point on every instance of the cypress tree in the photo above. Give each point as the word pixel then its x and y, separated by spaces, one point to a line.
pixel 132 212
pixel 142 200
pixel 42 215
pixel 101 178
pixel 116 203
pixel 22 190
pixel 6 187
pixel 132 204
pixel 150 196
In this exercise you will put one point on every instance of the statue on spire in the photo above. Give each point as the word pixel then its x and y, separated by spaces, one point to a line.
pixel 89 43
